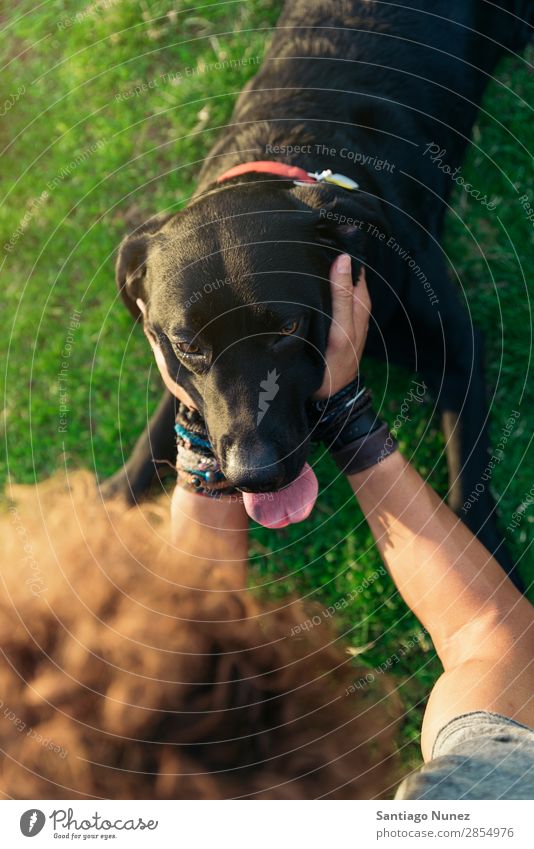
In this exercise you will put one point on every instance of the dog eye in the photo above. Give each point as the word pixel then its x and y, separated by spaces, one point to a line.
pixel 289 328
pixel 187 348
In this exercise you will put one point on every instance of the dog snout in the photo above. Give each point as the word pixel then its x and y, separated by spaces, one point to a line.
pixel 255 467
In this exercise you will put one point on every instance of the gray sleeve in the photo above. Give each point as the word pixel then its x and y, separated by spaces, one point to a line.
pixel 478 755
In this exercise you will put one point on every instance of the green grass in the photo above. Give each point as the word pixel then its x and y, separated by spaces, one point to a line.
pixel 124 160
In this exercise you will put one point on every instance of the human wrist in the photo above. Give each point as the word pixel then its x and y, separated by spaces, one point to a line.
pixel 347 424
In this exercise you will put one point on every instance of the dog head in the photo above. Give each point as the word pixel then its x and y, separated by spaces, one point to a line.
pixel 237 297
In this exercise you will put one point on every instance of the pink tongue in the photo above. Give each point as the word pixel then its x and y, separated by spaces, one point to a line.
pixel 291 504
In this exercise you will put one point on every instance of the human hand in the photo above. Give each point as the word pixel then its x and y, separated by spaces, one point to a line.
pixel 351 309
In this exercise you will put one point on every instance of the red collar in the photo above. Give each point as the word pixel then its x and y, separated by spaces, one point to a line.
pixel 279 169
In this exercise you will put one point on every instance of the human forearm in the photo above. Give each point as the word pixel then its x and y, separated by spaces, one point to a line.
pixel 443 572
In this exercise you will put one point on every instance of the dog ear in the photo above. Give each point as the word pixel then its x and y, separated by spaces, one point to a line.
pixel 130 268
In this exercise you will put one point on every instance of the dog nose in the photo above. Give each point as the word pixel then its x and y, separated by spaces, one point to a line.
pixel 253 469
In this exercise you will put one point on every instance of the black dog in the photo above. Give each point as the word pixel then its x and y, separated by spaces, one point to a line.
pixel 236 285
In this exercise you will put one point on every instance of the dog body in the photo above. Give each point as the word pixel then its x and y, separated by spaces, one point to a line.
pixel 237 284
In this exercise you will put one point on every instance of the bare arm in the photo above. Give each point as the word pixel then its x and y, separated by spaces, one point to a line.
pixel 213 530
pixel 481 626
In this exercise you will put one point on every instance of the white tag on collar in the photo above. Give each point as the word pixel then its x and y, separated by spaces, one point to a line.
pixel 328 177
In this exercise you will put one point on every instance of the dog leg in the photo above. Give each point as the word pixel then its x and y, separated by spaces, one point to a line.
pixel 156 443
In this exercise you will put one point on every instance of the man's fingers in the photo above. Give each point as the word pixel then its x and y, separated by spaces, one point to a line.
pixel 361 303
pixel 173 387
pixel 362 298
pixel 350 315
